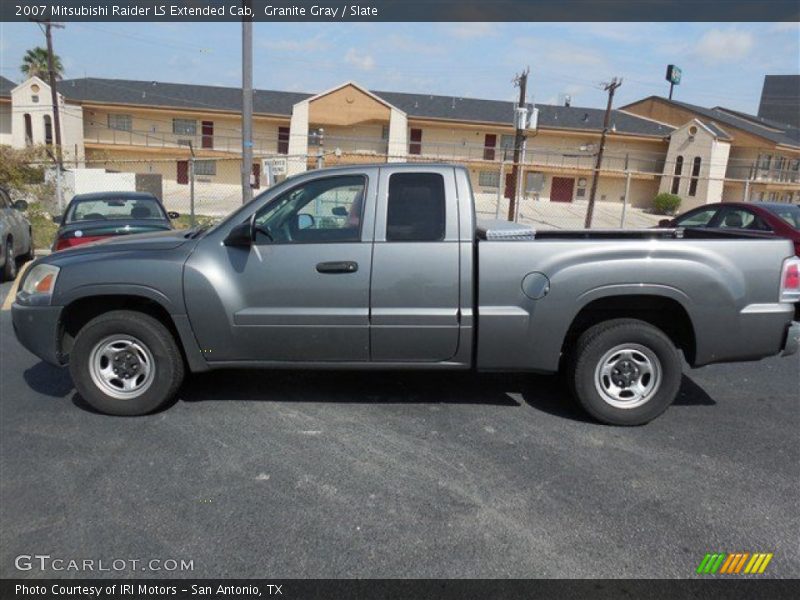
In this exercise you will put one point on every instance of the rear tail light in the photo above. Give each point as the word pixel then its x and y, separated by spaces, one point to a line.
pixel 71 242
pixel 790 280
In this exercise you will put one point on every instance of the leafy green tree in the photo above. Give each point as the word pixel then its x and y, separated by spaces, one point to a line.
pixel 34 63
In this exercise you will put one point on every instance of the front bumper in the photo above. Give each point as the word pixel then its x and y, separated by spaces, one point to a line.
pixel 792 342
pixel 37 328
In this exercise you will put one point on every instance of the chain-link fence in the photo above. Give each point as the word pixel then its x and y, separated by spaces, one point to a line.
pixel 553 187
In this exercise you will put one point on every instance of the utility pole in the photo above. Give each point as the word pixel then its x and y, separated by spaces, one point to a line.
pixel 522 81
pixel 247 105
pixel 58 158
pixel 610 88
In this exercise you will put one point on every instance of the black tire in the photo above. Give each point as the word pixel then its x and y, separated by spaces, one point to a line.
pixel 31 253
pixel 599 344
pixel 155 338
pixel 10 267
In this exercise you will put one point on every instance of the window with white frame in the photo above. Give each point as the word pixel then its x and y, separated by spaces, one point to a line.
pixel 205 167
pixel 184 126
pixel 120 121
pixel 489 179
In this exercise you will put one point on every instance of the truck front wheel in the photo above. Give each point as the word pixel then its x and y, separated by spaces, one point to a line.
pixel 126 363
pixel 624 372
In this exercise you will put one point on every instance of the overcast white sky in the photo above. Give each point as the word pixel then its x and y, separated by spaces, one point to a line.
pixel 723 63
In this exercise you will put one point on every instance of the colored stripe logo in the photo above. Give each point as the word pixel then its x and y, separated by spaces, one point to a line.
pixel 723 563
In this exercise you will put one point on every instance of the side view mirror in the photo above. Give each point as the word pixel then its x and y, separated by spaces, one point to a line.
pixel 57 218
pixel 304 221
pixel 21 205
pixel 172 214
pixel 339 211
pixel 241 236
pixel 664 223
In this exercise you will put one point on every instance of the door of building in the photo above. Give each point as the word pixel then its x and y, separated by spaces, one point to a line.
pixel 561 189
pixel 208 134
pixel 183 172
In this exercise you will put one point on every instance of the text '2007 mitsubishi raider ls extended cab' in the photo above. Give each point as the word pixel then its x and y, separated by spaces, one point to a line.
pixel 385 267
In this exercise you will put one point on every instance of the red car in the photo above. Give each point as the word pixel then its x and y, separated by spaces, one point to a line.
pixel 781 220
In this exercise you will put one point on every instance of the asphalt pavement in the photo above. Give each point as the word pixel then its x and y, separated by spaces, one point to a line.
pixel 312 474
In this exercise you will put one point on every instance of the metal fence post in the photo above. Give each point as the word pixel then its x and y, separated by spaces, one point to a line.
pixel 500 188
pixel 321 151
pixel 746 191
pixel 625 198
pixel 191 190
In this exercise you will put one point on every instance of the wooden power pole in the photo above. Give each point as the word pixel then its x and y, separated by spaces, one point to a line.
pixel 610 88
pixel 247 107
pixel 522 81
pixel 48 35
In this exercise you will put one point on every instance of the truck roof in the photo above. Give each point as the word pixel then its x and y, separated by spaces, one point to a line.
pixel 394 165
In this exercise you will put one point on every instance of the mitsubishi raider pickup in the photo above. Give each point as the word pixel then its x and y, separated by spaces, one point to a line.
pixel 385 267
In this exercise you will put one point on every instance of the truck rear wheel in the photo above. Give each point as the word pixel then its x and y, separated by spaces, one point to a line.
pixel 126 363
pixel 624 372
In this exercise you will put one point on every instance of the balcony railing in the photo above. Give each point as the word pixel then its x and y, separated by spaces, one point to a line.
pixel 161 139
pixel 748 171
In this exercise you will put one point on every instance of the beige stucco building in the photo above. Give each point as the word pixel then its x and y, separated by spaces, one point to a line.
pixel 654 145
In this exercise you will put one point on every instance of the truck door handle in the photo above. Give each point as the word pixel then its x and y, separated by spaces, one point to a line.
pixel 341 266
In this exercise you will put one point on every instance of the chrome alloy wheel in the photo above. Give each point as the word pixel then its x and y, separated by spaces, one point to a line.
pixel 122 366
pixel 628 375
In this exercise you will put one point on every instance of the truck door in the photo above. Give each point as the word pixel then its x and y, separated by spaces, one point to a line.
pixel 414 305
pixel 301 292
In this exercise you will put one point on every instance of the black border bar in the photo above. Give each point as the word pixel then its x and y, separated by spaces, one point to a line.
pixel 403 10
pixel 396 589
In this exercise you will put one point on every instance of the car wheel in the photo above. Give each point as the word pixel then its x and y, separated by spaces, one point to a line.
pixel 624 372
pixel 126 363
pixel 31 253
pixel 10 267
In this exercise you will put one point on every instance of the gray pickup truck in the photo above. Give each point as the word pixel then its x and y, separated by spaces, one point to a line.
pixel 385 267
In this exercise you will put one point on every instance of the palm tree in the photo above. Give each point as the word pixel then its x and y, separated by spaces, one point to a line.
pixel 34 64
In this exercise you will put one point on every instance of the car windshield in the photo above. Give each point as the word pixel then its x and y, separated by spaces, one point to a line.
pixel 115 208
pixel 788 213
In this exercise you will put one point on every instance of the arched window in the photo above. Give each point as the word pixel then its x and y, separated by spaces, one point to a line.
pixel 48 130
pixel 695 176
pixel 676 180
pixel 28 129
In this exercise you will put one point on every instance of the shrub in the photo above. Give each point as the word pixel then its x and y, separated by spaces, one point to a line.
pixel 666 204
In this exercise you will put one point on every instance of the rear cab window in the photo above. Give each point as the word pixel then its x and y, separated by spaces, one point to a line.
pixel 416 208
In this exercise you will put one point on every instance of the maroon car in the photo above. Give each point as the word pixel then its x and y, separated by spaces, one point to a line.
pixel 781 220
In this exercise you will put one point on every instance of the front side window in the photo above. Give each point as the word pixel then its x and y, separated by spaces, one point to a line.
pixel 700 218
pixel 320 211
pixel 416 208
pixel 184 126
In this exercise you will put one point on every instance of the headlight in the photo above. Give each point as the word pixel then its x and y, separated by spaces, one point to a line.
pixel 41 279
